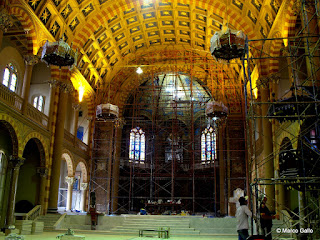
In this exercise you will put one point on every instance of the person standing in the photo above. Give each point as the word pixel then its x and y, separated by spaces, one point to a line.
pixel 266 219
pixel 242 215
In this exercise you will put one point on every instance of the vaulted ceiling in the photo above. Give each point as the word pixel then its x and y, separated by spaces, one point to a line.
pixel 113 37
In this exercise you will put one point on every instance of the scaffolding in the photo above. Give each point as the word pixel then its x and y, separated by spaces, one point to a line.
pixel 172 170
pixel 293 119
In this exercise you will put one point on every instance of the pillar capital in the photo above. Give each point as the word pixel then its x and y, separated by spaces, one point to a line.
pixel 66 87
pixel 31 59
pixel 263 82
pixel 119 123
pixel 76 106
pixel 5 20
pixel 16 162
pixel 53 83
pixel 43 171
pixel 70 180
pixel 83 186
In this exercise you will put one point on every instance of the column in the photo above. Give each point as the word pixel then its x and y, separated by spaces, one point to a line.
pixel 83 188
pixel 76 108
pixel 116 166
pixel 15 164
pixel 43 172
pixel 268 158
pixel 70 181
pixel 222 179
pixel 30 61
pixel 57 148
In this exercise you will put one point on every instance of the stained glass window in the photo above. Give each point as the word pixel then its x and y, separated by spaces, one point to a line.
pixel 38 103
pixel 10 77
pixel 208 145
pixel 137 145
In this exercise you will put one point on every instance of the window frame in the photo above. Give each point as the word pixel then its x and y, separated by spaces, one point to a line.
pixel 38 99
pixel 8 81
pixel 208 142
pixel 137 140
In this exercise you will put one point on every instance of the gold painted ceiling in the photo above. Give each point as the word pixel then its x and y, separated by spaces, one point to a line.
pixel 113 37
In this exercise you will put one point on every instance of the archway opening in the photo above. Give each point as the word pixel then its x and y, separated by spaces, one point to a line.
pixel 28 190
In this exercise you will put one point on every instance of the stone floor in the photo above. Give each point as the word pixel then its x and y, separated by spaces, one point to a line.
pixel 93 236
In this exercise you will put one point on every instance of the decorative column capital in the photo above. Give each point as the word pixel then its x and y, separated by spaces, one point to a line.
pixel 119 123
pixel 76 106
pixel 16 162
pixel 83 186
pixel 263 82
pixel 5 20
pixel 43 171
pixel 70 180
pixel 31 60
pixel 53 83
pixel 66 87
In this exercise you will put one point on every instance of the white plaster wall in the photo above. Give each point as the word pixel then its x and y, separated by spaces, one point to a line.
pixel 10 55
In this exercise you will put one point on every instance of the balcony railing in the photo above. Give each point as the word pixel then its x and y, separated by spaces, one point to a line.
pixel 37 116
pixel 10 98
pixel 15 101
pixel 75 141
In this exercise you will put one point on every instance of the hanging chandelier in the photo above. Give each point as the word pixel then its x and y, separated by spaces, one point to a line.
pixel 59 54
pixel 107 111
pixel 228 44
pixel 216 109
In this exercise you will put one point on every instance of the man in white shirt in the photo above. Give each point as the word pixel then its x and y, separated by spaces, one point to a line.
pixel 242 215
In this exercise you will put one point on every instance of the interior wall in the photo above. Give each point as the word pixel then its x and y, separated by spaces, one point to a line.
pixel 39 85
pixel 9 54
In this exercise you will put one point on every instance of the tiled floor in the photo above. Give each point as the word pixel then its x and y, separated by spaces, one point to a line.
pixel 92 236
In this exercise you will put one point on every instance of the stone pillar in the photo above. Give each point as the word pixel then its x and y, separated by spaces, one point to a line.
pixel 43 172
pixel 268 158
pixel 76 108
pixel 70 181
pixel 222 179
pixel 15 164
pixel 30 61
pixel 116 165
pixel 57 148
pixel 83 188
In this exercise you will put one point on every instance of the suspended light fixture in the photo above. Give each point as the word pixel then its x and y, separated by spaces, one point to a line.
pixel 139 70
pixel 59 54
pixel 107 111
pixel 228 44
pixel 216 110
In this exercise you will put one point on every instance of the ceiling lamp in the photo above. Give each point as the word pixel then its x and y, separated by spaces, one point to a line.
pixel 216 110
pixel 228 44
pixel 139 70
pixel 58 54
pixel 107 111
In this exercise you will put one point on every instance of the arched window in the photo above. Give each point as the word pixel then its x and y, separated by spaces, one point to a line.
pixel 137 145
pixel 10 77
pixel 208 145
pixel 38 103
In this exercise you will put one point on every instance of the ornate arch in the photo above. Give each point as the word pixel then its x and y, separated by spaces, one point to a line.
pixel 42 146
pixel 14 133
pixel 84 169
pixel 68 157
pixel 275 52
pixel 290 20
pixel 28 26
